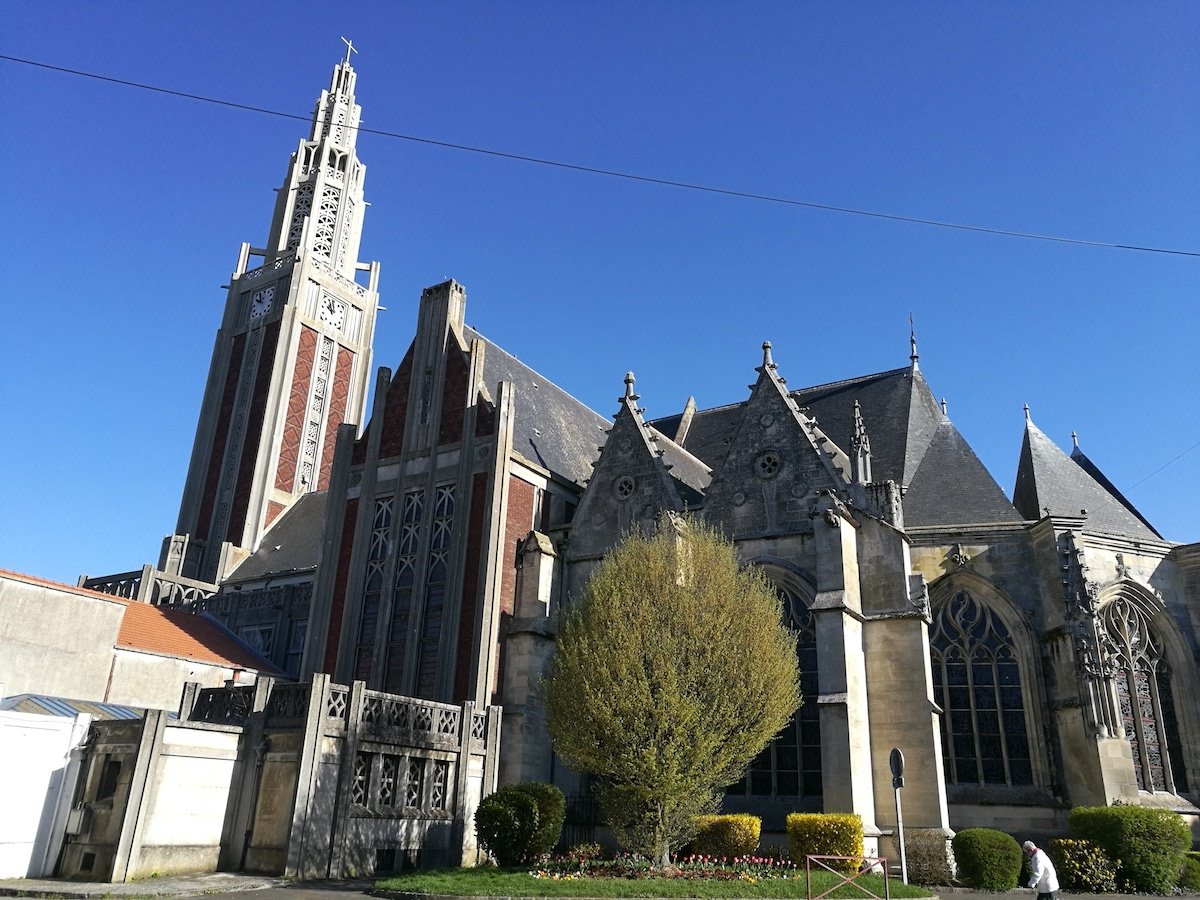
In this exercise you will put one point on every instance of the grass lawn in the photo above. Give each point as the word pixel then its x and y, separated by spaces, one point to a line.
pixel 491 882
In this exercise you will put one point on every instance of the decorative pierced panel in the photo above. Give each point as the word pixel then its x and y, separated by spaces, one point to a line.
pixel 435 588
pixel 316 410
pixel 301 210
pixel 790 766
pixel 1147 710
pixel 389 769
pixel 439 784
pixel 344 242
pixel 414 782
pixel 406 563
pixel 977 679
pixel 362 777
pixel 326 225
pixel 381 524
pixel 337 703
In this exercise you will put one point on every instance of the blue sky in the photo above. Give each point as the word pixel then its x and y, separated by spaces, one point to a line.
pixel 123 211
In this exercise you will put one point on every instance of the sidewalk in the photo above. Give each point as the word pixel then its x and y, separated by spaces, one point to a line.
pixel 166 886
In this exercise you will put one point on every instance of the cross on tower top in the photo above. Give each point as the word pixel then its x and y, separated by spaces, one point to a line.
pixel 349 49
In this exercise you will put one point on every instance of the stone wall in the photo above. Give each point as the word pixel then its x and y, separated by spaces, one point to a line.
pixel 311 780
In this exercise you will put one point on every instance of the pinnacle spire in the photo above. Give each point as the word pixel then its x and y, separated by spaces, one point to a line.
pixel 629 383
pixel 912 341
pixel 860 448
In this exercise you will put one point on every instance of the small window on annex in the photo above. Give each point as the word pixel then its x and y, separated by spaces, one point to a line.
pixel 977 681
pixel 790 766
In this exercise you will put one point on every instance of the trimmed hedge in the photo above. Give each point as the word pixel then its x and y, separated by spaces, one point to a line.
pixel 728 836
pixel 987 859
pixel 1148 842
pixel 552 808
pixel 826 834
pixel 505 823
pixel 1189 878
pixel 1083 866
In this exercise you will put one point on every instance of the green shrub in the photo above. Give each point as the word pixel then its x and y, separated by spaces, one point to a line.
pixel 1189 878
pixel 987 859
pixel 928 856
pixel 1148 842
pixel 505 823
pixel 1083 866
pixel 728 836
pixel 826 834
pixel 552 807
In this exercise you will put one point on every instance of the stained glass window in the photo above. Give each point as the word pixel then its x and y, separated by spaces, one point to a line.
pixel 406 561
pixel 1144 698
pixel 977 680
pixel 435 589
pixel 790 766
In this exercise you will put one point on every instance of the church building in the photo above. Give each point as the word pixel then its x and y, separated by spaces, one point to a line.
pixel 1026 655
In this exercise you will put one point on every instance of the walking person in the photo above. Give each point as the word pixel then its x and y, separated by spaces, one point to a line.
pixel 1042 877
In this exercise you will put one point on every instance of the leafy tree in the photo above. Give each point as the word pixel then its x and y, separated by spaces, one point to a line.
pixel 671 674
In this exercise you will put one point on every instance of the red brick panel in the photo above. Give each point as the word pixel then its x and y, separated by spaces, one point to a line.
pixel 517 525
pixel 454 397
pixel 254 424
pixel 216 453
pixel 274 508
pixel 469 616
pixel 396 413
pixel 337 607
pixel 297 413
pixel 339 392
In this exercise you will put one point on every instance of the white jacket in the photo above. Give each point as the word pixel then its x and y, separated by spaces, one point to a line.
pixel 1044 878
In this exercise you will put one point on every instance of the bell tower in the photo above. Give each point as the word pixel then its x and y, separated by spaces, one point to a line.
pixel 292 356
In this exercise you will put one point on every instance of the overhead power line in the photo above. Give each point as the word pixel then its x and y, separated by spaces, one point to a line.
pixel 612 173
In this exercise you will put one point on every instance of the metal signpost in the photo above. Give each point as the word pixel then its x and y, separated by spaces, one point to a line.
pixel 896 761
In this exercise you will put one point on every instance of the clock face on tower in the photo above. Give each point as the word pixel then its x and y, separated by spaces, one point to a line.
pixel 332 312
pixel 260 303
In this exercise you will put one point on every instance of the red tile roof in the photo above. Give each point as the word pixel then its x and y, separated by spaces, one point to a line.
pixel 168 632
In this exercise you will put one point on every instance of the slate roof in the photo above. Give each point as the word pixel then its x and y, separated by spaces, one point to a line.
pixel 292 545
pixel 1080 459
pixel 1048 479
pixel 550 427
pixel 912 443
pixel 691 474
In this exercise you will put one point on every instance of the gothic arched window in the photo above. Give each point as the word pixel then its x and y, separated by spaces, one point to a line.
pixel 1143 683
pixel 977 680
pixel 790 766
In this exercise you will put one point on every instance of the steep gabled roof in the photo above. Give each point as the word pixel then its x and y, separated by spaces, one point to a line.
pixel 550 428
pixel 1050 482
pixel 709 433
pixel 912 443
pixel 1081 460
pixel 952 487
pixel 691 475
pixel 292 545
